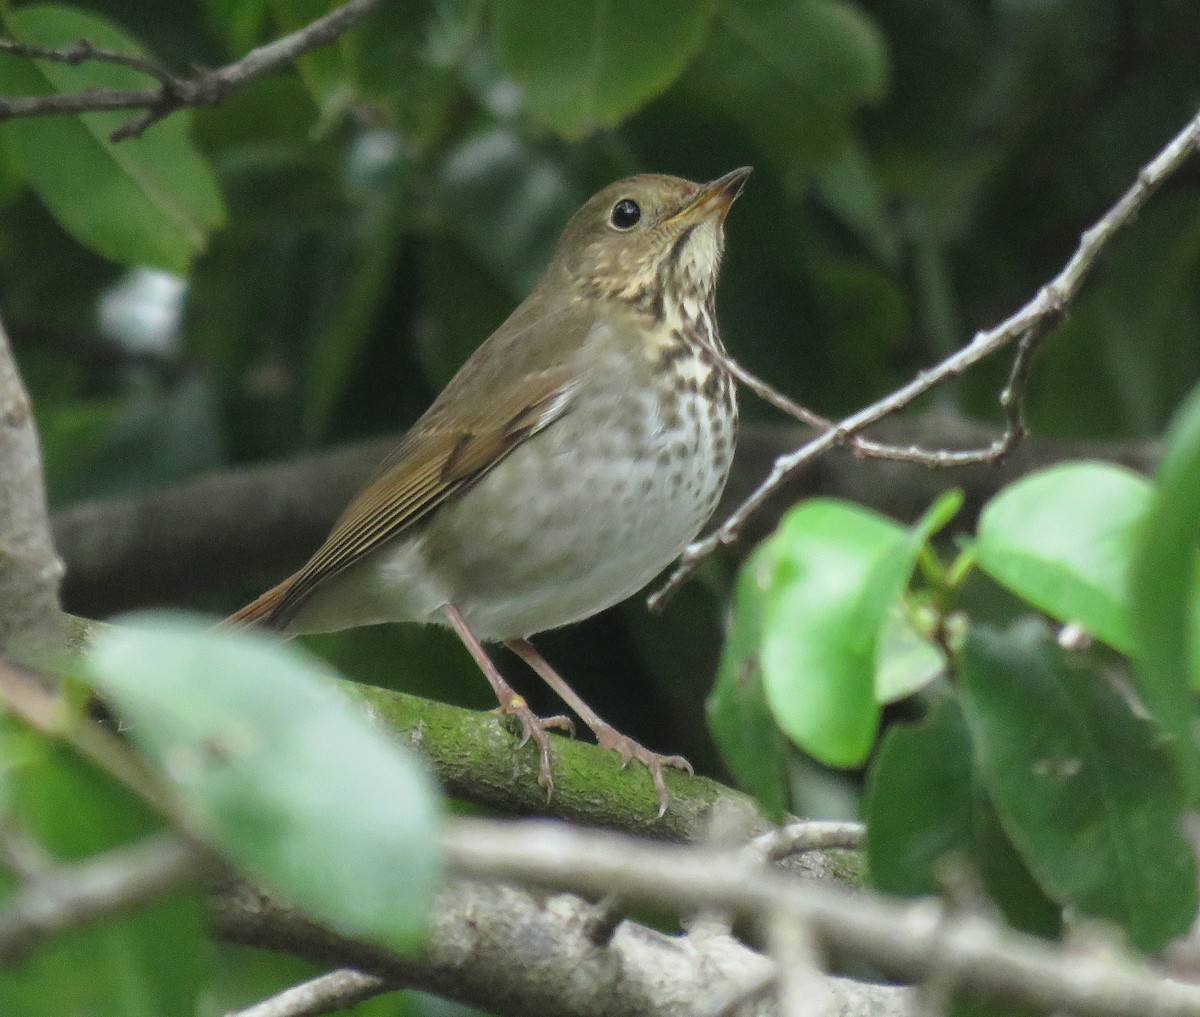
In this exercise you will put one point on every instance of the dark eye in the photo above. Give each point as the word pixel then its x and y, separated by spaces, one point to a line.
pixel 625 214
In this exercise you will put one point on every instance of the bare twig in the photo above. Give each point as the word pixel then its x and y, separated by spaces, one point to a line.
pixel 68 896
pixel 911 941
pixel 337 990
pixel 25 696
pixel 806 835
pixel 174 92
pixel 84 51
pixel 866 448
pixel 1030 325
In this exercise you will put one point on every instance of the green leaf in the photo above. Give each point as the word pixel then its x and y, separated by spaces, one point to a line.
pixel 738 715
pixel 818 644
pixel 279 771
pixel 150 200
pixel 837 572
pixel 905 660
pixel 791 74
pixel 583 66
pixel 1063 539
pixel 1082 783
pixel 149 963
pixel 926 812
pixel 1163 592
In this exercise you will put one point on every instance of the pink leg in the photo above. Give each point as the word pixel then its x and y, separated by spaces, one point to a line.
pixel 607 736
pixel 511 702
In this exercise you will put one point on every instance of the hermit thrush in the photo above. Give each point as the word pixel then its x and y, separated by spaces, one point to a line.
pixel 572 457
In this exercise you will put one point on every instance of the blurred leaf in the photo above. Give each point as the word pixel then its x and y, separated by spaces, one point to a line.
pixel 359 260
pixel 150 200
pixel 407 60
pixel 147 437
pixel 926 813
pixel 882 592
pixel 509 203
pixel 583 66
pixel 323 70
pixel 850 188
pixel 905 660
pixel 1163 592
pixel 1062 538
pixel 818 643
pixel 738 714
pixel 790 73
pixel 239 22
pixel 146 964
pixel 1083 784
pixel 462 304
pixel 280 771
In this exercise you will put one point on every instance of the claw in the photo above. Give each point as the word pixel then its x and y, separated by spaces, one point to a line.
pixel 628 749
pixel 534 728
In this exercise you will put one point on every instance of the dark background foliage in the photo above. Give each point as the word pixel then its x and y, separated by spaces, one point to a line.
pixel 920 168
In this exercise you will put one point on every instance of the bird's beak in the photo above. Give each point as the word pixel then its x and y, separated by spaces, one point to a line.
pixel 715 197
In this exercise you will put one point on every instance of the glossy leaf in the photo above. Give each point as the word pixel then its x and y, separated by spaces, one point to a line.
pixel 926 814
pixel 1063 538
pixel 279 771
pixel 1082 783
pixel 150 200
pixel 838 571
pixel 1163 592
pixel 738 714
pixel 583 66
pixel 818 646
pixel 904 660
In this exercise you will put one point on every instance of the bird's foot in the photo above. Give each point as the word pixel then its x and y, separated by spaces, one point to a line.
pixel 534 728
pixel 608 737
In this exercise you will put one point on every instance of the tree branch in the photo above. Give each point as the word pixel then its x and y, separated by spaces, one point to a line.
pixel 30 571
pixel 913 942
pixel 1031 324
pixel 66 896
pixel 174 92
pixel 515 953
pixel 337 990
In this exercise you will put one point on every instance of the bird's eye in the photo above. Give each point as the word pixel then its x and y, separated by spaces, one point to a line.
pixel 625 214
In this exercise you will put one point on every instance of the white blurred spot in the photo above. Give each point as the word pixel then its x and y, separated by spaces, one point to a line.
pixel 143 311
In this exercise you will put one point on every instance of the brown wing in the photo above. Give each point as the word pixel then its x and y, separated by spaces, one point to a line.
pixel 432 463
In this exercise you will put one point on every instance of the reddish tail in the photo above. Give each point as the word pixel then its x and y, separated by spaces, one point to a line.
pixel 264 610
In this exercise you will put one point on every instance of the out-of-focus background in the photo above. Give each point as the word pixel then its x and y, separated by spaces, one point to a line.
pixel 921 167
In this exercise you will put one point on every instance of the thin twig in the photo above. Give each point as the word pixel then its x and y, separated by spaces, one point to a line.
pixel 911 941
pixel 806 835
pixel 26 697
pixel 204 88
pixel 866 448
pixel 68 896
pixel 1030 325
pixel 85 51
pixel 337 990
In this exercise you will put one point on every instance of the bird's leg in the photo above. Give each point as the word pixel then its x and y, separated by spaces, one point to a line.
pixel 511 702
pixel 607 736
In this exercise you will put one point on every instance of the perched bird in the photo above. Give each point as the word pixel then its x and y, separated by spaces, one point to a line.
pixel 571 458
